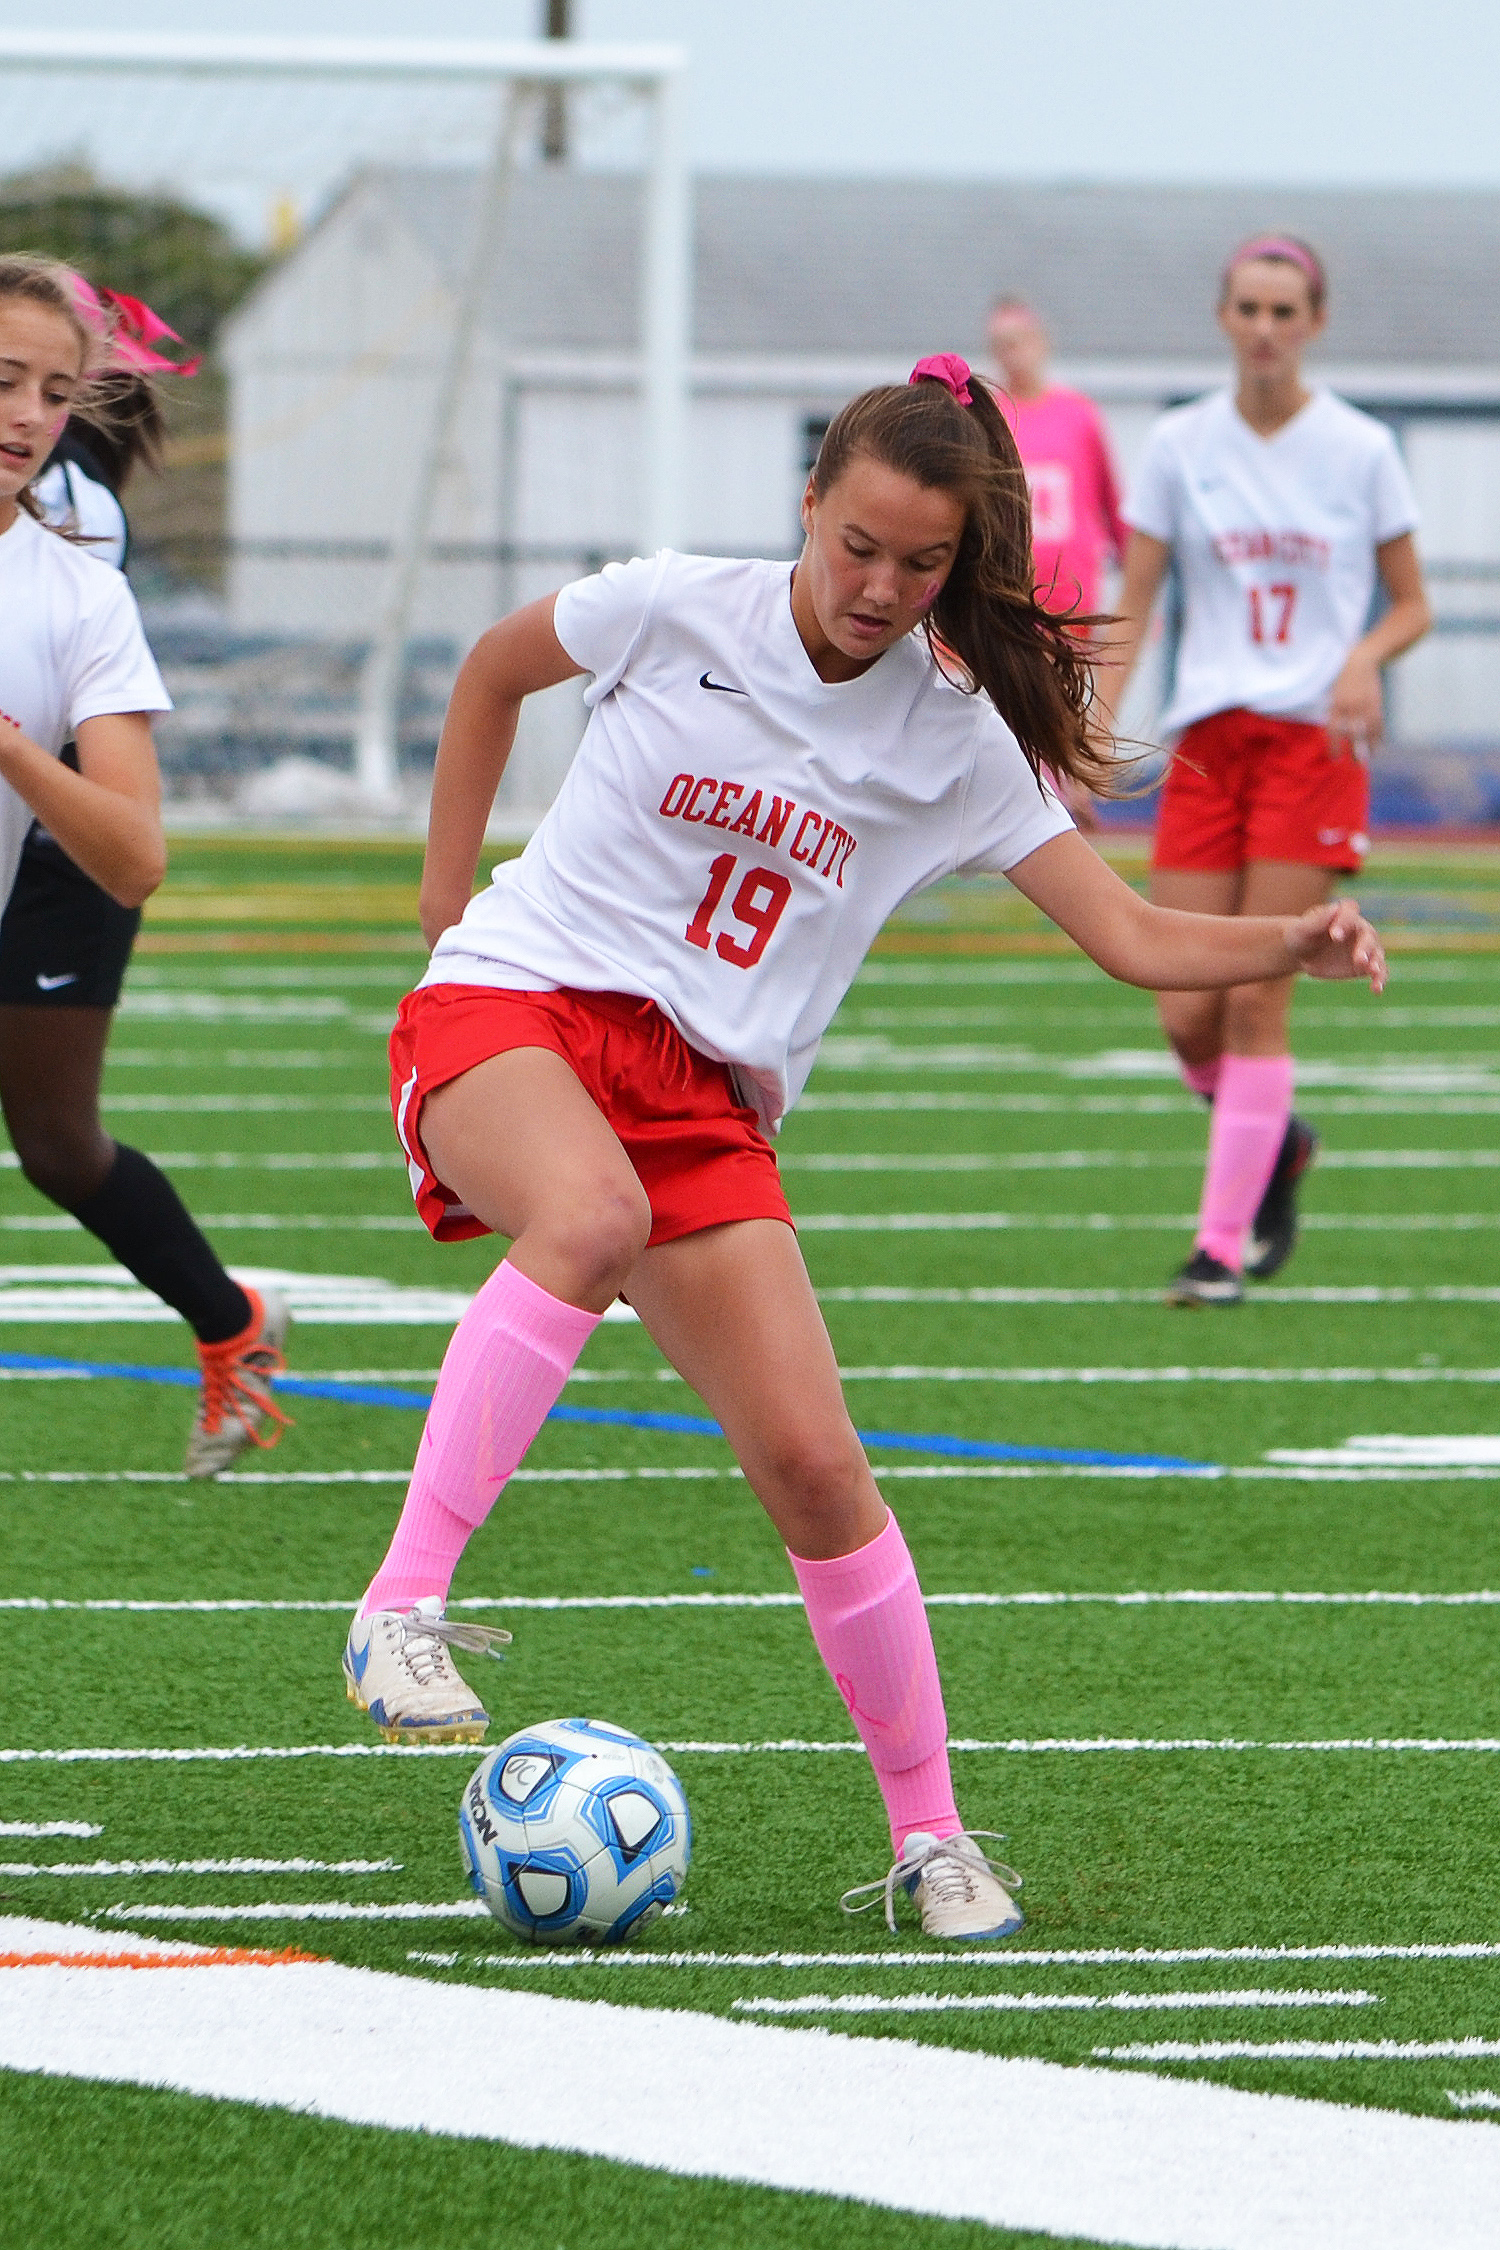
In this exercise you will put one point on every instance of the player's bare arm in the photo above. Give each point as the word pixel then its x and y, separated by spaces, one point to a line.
pixel 1167 951
pixel 1356 711
pixel 518 657
pixel 107 816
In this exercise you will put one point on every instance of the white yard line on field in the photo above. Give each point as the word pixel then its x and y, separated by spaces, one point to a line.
pixel 1108 2156
pixel 50 1828
pixel 1436 1293
pixel 1120 1222
pixel 313 1910
pixel 1426 1104
pixel 203 1867
pixel 1173 1598
pixel 1047 1746
pixel 974 1957
pixel 1480 2099
pixel 1304 2050
pixel 1038 2003
pixel 245 1105
pixel 1099 1160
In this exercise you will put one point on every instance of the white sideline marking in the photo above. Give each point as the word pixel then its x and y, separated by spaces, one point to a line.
pixel 1425 1074
pixel 1301 2050
pixel 1396 1452
pixel 1347 1470
pixel 316 1910
pixel 1046 1745
pixel 245 1105
pixel 270 1160
pixel 1153 1375
pixel 1481 2098
pixel 1187 1597
pixel 1013 2142
pixel 1117 1222
pixel 1083 1160
pixel 50 1828
pixel 855 1222
pixel 1134 1105
pixel 1039 2003
pixel 973 1957
pixel 74 1294
pixel 1436 1294
pixel 204 1867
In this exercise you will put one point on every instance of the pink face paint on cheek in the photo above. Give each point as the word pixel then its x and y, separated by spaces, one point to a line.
pixel 930 592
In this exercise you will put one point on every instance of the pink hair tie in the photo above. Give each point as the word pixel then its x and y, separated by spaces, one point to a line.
pixel 949 370
pixel 130 328
pixel 1277 246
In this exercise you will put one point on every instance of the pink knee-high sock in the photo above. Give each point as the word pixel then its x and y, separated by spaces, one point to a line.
pixel 1251 1109
pixel 1201 1078
pixel 504 1367
pixel 871 1631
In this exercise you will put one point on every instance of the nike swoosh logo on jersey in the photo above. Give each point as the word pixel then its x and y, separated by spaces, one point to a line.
pixel 55 984
pixel 717 687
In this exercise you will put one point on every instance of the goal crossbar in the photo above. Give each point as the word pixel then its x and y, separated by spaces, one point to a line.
pixel 535 61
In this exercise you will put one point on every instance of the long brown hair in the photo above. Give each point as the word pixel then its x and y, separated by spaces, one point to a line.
pixel 1032 664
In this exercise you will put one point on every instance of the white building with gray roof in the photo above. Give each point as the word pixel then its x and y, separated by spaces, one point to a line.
pixel 804 291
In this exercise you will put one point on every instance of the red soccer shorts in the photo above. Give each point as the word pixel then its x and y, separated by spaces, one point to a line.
pixel 1243 787
pixel 698 1152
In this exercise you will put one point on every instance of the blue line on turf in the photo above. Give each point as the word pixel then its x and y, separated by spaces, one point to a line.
pixel 614 1418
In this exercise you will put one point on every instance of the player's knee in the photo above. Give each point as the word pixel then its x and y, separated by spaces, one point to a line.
pixel 1254 1014
pixel 597 1237
pixel 63 1158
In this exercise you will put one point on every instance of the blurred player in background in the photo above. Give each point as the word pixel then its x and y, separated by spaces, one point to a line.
pixel 78 412
pixel 1076 525
pixel 610 1031
pixel 1282 508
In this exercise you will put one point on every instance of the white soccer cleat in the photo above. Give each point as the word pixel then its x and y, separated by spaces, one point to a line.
pixel 960 1892
pixel 235 1406
pixel 397 1667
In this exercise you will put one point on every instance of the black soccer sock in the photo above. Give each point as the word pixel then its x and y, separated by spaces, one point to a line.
pixel 139 1215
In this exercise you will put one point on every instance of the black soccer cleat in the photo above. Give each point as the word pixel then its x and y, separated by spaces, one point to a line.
pixel 1204 1281
pixel 1273 1230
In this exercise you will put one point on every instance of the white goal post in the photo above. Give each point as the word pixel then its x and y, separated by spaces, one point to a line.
pixel 517 72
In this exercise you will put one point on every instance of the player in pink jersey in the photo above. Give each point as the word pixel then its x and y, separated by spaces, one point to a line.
pixel 1076 525
pixel 608 1032
pixel 1281 509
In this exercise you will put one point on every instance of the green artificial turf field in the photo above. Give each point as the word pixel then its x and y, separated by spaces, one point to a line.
pixel 994 1171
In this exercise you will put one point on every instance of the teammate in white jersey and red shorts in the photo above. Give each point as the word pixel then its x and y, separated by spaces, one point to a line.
pixel 609 1033
pixel 1281 508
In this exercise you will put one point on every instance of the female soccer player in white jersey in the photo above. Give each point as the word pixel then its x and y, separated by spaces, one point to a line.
pixel 80 832
pixel 1280 507
pixel 775 759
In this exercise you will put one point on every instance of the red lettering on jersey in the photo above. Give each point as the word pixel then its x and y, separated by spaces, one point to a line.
pixel 703 786
pixel 816 820
pixel 728 791
pixel 682 781
pixel 849 848
pixel 745 825
pixel 776 820
pixel 833 836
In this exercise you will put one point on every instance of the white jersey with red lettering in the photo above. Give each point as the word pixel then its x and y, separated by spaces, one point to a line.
pixel 1274 541
pixel 734 830
pixel 72 648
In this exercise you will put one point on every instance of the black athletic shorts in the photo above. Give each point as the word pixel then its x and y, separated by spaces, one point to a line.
pixel 64 943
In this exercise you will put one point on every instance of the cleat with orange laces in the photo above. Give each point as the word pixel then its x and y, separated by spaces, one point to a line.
pixel 235 1407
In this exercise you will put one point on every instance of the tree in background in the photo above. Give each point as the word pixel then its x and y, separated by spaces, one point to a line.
pixel 185 263
pixel 190 269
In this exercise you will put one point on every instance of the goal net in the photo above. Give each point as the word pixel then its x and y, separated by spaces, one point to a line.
pixel 354 527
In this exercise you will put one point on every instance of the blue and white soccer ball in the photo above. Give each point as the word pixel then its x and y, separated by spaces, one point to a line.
pixel 575 1832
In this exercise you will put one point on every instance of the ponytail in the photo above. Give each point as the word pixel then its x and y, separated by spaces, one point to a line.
pixel 945 431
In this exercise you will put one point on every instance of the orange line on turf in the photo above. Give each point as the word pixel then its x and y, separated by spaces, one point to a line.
pixel 217 1957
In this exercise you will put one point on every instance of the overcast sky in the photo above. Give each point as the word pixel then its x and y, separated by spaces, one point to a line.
pixel 1340 91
